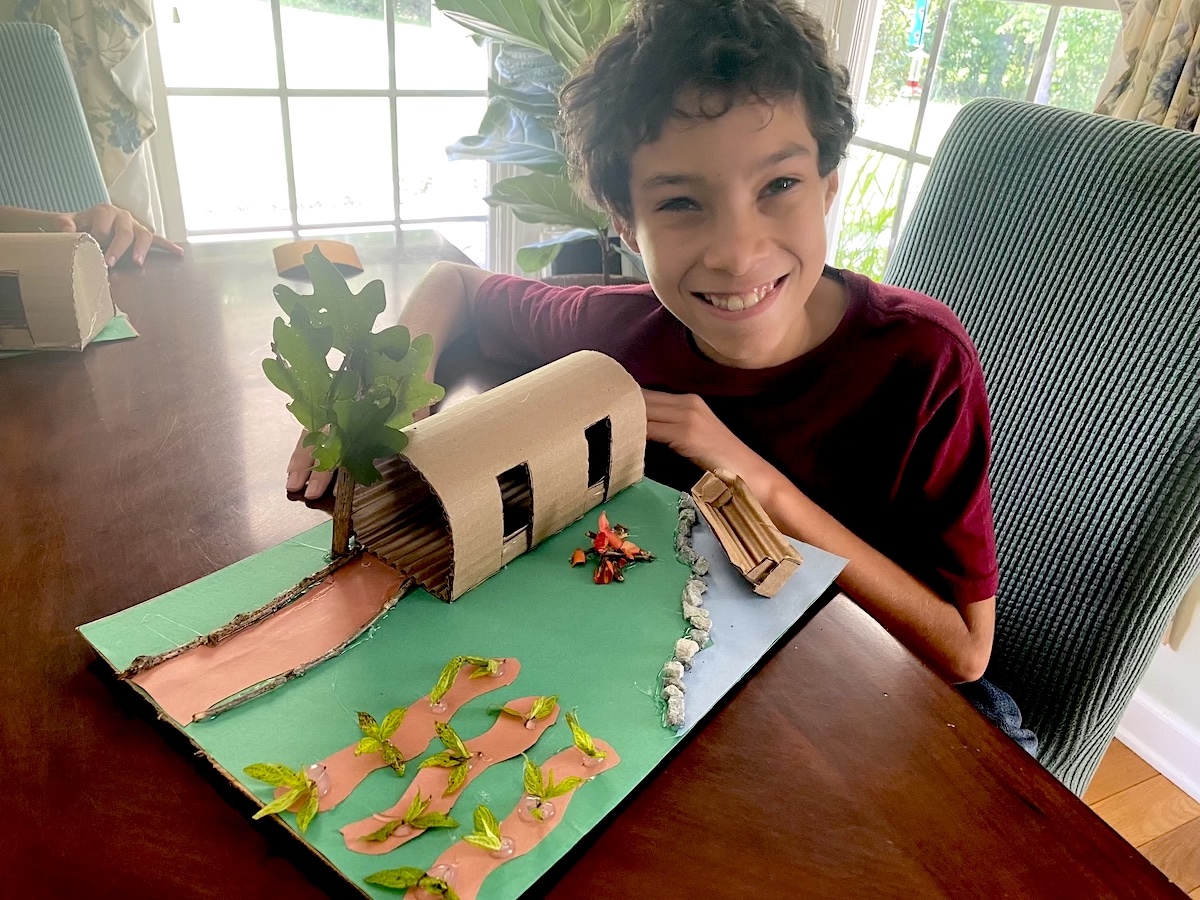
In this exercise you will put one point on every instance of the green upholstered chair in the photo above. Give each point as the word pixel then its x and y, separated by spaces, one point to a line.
pixel 47 160
pixel 1069 246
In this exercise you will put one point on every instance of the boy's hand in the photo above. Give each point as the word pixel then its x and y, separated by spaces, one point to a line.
pixel 117 231
pixel 685 424
pixel 302 482
pixel 305 484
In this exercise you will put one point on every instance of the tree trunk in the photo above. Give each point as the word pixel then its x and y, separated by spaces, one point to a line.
pixel 342 508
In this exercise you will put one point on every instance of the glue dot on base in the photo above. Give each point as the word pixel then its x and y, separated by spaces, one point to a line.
pixel 319 776
pixel 530 724
pixel 439 707
pixel 507 849
pixel 528 804
pixel 499 669
pixel 444 872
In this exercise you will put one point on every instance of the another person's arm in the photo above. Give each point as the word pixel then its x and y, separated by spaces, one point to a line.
pixel 115 229
pixel 956 640
pixel 440 306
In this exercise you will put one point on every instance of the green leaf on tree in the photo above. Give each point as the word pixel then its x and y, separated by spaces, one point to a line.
pixel 354 414
pixel 455 779
pixel 583 740
pixel 542 785
pixel 302 788
pixel 368 726
pixel 543 706
pixel 434 820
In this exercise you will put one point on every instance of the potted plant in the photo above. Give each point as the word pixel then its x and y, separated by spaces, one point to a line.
pixel 540 42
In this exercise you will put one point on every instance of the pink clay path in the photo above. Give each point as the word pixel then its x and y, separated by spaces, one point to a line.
pixel 413 736
pixel 472 865
pixel 504 740
pixel 328 615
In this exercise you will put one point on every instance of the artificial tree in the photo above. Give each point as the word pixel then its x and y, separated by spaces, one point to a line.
pixel 353 413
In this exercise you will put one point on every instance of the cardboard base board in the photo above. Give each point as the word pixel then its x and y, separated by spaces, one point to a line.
pixel 600 648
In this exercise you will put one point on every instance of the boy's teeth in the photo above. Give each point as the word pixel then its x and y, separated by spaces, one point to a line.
pixel 735 302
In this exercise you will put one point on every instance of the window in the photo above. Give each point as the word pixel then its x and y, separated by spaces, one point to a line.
pixel 920 63
pixel 516 496
pixel 311 116
pixel 599 444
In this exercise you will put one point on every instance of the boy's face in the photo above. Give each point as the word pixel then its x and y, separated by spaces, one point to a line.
pixel 729 216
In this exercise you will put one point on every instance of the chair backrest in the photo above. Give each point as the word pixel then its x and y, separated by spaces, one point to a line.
pixel 1069 246
pixel 47 160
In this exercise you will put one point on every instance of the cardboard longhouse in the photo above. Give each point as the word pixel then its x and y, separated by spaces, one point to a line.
pixel 484 481
pixel 53 291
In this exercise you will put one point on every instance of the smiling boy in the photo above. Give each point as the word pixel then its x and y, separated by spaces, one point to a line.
pixel 711 130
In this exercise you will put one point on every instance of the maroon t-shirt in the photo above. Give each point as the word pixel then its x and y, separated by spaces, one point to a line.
pixel 884 424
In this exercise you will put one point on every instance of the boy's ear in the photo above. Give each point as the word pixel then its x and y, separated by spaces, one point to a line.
pixel 831 189
pixel 625 230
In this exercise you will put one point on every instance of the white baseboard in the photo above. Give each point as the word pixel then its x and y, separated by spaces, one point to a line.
pixel 1164 740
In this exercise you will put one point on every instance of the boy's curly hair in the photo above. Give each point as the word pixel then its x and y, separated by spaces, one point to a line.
pixel 728 51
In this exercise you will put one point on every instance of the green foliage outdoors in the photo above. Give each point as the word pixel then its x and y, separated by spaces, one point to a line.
pixel 988 51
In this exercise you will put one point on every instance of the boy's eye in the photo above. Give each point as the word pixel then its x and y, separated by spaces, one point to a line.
pixel 780 185
pixel 678 204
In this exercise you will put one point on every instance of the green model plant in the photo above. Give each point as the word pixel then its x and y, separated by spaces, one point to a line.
pixel 540 42
pixel 353 413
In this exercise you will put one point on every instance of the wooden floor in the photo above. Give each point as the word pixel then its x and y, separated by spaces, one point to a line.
pixel 1151 813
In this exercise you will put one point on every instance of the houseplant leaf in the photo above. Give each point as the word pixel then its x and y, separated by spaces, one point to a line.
pixel 574 28
pixel 535 257
pixel 546 200
pixel 516 21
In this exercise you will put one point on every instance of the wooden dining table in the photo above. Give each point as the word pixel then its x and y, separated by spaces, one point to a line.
pixel 841 768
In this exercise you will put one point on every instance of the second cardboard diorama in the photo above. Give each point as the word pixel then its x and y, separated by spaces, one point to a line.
pixel 486 497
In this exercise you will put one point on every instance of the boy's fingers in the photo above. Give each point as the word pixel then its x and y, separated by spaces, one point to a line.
pixel 318 484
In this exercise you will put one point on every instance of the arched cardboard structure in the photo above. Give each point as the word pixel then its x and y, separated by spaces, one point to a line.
pixel 486 480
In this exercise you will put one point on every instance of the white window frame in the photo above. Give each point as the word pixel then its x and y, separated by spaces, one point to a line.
pixel 162 145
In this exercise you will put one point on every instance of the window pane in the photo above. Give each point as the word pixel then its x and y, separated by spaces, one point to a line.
pixel 988 51
pixel 870 196
pixel 432 187
pixel 334 43
pixel 1083 45
pixel 216 43
pixel 437 55
pixel 898 71
pixel 229 151
pixel 342 154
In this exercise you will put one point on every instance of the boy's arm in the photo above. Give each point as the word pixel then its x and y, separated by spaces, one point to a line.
pixel 440 305
pixel 957 642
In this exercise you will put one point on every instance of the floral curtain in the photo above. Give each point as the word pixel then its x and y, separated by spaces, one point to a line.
pixel 1160 42
pixel 103 40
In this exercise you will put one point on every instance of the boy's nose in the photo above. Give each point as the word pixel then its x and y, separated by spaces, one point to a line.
pixel 736 244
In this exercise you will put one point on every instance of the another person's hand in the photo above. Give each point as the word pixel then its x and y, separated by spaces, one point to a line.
pixel 117 231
